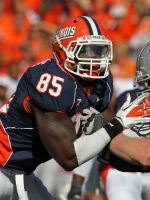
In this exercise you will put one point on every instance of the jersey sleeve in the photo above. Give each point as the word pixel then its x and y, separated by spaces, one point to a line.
pixel 50 93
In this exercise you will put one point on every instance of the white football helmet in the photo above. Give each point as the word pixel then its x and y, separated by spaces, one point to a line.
pixel 142 76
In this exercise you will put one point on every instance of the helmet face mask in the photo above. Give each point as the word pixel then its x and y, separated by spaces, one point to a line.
pixel 87 55
pixel 90 57
pixel 142 76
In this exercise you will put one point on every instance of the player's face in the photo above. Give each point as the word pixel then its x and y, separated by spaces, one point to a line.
pixel 93 52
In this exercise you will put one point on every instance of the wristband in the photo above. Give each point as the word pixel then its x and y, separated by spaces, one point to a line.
pixel 114 127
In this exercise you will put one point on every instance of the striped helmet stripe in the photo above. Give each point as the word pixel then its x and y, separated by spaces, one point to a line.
pixel 92 25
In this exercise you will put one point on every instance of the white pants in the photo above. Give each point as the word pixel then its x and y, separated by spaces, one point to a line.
pixel 127 186
pixel 21 187
pixel 55 178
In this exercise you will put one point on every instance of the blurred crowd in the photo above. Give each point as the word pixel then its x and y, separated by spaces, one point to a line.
pixel 27 28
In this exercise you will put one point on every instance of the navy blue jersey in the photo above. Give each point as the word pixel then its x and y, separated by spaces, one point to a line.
pixel 51 89
pixel 123 96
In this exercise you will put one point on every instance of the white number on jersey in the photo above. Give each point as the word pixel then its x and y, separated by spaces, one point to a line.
pixel 51 84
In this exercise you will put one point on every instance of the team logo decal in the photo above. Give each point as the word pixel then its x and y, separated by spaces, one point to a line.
pixel 66 32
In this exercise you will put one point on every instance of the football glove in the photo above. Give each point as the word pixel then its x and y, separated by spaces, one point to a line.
pixel 91 121
pixel 137 111
pixel 129 114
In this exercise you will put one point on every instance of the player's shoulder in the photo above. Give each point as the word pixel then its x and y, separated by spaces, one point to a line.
pixel 50 87
pixel 48 66
pixel 123 96
pixel 108 79
pixel 50 70
pixel 133 92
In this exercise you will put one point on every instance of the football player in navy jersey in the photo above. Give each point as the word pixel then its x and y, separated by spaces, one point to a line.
pixel 42 119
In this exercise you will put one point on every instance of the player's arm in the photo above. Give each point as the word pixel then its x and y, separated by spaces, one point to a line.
pixel 58 134
pixel 132 149
pixel 81 172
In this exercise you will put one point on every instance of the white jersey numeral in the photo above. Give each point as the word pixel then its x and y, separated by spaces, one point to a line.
pixel 51 84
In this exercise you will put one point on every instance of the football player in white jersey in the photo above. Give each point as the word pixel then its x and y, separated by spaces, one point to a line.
pixel 125 178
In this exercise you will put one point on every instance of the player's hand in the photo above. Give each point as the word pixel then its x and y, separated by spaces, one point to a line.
pixel 137 111
pixel 130 113
pixel 91 121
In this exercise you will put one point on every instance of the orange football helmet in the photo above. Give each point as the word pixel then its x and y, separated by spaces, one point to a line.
pixel 80 48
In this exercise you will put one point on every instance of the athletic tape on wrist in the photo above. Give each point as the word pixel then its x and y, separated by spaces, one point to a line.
pixel 114 127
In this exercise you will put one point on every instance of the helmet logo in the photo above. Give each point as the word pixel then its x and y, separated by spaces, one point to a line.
pixel 66 32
